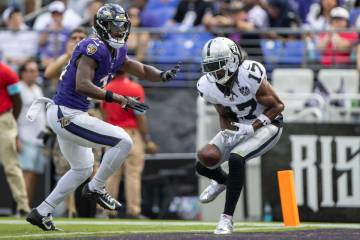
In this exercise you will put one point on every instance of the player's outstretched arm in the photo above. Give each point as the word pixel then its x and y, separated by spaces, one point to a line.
pixel 268 98
pixel 84 75
pixel 148 72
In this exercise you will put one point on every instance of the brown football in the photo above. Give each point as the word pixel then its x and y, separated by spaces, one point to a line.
pixel 210 155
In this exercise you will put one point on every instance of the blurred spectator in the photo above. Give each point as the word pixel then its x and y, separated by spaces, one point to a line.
pixel 27 6
pixel 13 19
pixel 336 46
pixel 136 126
pixel 318 17
pixel 301 7
pixel 190 13
pixel 52 42
pixel 70 20
pixel 17 45
pixel 32 159
pixel 355 15
pixel 137 42
pixel 257 16
pixel 246 16
pixel 53 70
pixel 10 107
pixel 30 6
pixel 281 15
pixel 79 6
pixel 221 18
pixel 91 10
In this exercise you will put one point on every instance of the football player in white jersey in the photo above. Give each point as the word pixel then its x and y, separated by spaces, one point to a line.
pixel 250 120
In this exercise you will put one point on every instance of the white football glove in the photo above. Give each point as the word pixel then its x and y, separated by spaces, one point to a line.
pixel 231 137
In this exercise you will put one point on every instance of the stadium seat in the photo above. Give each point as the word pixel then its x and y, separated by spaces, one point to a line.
pixel 343 88
pixel 295 88
pixel 292 52
pixel 277 52
pixel 178 47
pixel 332 80
pixel 293 80
pixel 271 51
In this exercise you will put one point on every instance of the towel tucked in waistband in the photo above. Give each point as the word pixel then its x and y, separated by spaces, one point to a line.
pixel 36 107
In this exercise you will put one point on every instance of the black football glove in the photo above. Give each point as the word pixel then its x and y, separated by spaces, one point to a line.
pixel 170 74
pixel 133 103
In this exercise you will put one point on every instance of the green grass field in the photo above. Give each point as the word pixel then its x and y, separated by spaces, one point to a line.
pixel 15 228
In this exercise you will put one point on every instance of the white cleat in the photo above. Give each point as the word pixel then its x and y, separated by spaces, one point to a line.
pixel 211 192
pixel 225 225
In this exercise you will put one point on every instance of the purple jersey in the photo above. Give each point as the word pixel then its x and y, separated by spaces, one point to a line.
pixel 96 49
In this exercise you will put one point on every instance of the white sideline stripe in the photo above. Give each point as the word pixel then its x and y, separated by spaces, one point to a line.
pixel 62 234
pixel 187 223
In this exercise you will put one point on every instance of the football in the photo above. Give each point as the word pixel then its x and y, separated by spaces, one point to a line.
pixel 210 155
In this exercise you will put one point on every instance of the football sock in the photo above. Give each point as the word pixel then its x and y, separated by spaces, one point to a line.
pixel 112 160
pixel 66 185
pixel 217 174
pixel 235 182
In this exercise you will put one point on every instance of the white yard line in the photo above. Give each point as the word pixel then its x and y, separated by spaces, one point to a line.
pixel 186 223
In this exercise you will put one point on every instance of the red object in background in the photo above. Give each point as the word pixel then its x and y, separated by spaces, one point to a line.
pixel 333 56
pixel 7 78
pixel 114 113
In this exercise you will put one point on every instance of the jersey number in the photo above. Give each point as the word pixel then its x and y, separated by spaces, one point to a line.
pixel 246 109
pixel 253 69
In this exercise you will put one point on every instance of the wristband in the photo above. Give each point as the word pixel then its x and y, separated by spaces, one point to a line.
pixel 109 96
pixel 264 119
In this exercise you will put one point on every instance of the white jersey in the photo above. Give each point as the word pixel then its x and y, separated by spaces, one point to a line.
pixel 242 103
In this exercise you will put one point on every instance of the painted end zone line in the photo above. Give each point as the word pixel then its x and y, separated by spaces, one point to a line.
pixel 186 223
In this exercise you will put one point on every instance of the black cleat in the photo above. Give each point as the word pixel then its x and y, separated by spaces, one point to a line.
pixel 43 222
pixel 103 198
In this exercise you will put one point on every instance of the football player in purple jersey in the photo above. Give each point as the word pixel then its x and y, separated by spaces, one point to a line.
pixel 92 65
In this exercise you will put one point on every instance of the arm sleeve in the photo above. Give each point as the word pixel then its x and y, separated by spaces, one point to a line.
pixel 11 81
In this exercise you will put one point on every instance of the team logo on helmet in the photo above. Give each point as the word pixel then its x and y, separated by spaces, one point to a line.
pixel 107 13
pixel 244 91
pixel 91 49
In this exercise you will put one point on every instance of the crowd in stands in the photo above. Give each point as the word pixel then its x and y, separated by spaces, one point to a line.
pixel 54 20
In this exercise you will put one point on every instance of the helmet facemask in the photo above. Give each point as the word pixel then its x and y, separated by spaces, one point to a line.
pixel 118 33
pixel 220 70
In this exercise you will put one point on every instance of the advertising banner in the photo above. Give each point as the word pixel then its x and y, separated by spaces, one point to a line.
pixel 325 159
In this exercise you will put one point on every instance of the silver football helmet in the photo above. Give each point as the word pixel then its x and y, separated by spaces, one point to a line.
pixel 221 58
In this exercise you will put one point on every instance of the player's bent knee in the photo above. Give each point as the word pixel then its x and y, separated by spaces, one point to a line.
pixel 83 173
pixel 209 156
pixel 125 143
